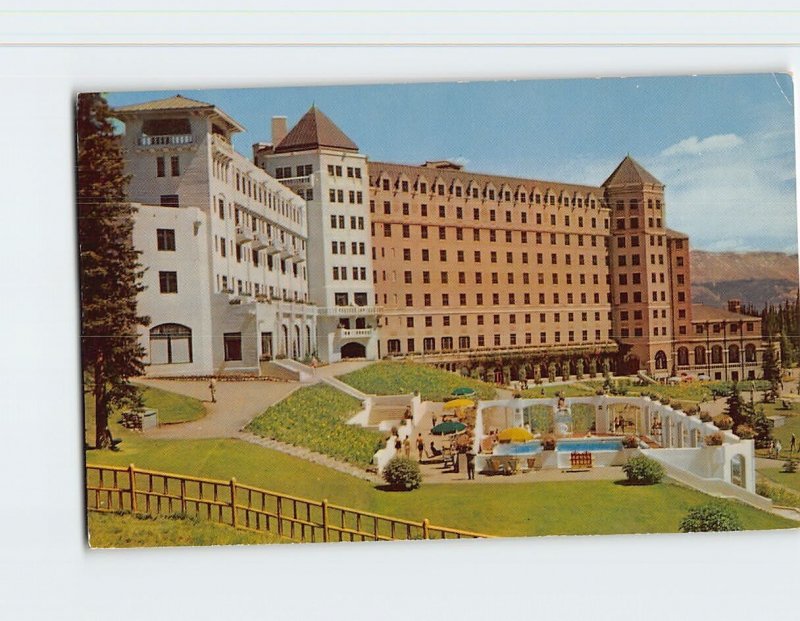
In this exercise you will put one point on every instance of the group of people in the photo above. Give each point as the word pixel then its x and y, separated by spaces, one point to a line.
pixel 404 447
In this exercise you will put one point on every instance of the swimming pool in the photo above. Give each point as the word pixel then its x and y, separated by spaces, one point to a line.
pixel 596 444
pixel 524 448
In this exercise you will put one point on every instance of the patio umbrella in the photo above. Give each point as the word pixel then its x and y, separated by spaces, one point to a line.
pixel 456 404
pixel 448 427
pixel 515 434
pixel 462 391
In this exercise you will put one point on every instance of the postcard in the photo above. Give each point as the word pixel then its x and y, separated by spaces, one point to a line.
pixel 439 311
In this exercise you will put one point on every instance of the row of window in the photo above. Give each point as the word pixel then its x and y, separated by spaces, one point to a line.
pixel 302 170
pixel 337 196
pixel 716 357
pixel 393 346
pixel 633 204
pixel 512 298
pixel 716 328
pixel 651 223
pixel 244 287
pixel 557 317
pixel 356 248
pixel 622 260
pixel 174 166
pixel 554 238
pixel 636 297
pixel 470 189
pixel 353 172
pixel 358 273
pixel 444 278
pixel 476 215
pixel 356 222
pixel 493 256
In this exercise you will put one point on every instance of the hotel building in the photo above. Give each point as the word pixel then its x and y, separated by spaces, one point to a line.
pixel 313 249
pixel 223 243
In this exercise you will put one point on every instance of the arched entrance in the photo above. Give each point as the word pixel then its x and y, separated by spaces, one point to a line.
pixel 354 350
pixel 738 471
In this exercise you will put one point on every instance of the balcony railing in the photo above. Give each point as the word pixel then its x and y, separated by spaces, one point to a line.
pixel 306 181
pixel 349 311
pixel 174 139
pixel 260 241
pixel 243 235
pixel 355 333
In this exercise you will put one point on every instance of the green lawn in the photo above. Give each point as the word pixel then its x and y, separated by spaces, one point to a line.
pixel 786 479
pixel 114 530
pixel 566 390
pixel 316 417
pixel 172 408
pixel 393 378
pixel 791 426
pixel 548 508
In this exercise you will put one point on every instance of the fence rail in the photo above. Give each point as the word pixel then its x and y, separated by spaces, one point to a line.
pixel 151 492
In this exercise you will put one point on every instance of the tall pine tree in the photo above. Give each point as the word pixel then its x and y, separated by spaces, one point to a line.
pixel 110 275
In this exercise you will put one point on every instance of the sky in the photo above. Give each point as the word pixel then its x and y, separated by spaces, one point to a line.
pixel 722 145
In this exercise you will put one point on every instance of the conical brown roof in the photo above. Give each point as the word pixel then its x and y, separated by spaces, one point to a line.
pixel 315 130
pixel 630 172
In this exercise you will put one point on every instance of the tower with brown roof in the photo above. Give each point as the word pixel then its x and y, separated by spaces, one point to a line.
pixel 323 165
pixel 641 302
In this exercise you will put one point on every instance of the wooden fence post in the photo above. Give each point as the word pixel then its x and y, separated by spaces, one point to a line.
pixel 425 524
pixel 325 520
pixel 183 496
pixel 131 476
pixel 233 502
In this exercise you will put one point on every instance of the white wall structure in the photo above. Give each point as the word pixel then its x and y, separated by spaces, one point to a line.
pixel 223 243
pixel 324 166
pixel 682 439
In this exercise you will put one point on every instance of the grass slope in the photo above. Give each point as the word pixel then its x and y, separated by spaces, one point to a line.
pixel 547 508
pixel 393 378
pixel 316 417
pixel 114 530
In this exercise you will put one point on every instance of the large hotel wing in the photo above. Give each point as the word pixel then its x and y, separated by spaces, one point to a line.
pixel 311 249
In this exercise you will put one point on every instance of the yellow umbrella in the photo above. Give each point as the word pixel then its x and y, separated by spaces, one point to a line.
pixel 515 434
pixel 458 403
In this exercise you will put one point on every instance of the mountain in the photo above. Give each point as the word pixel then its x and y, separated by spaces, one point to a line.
pixel 756 278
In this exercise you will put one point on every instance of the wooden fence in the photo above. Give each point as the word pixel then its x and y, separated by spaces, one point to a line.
pixel 150 492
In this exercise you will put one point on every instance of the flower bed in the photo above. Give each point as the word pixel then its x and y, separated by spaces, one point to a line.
pixel 394 378
pixel 316 417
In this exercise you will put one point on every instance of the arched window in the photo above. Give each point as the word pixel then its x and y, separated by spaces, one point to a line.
pixel 661 360
pixel 749 353
pixel 170 343
pixel 699 355
pixel 683 357
pixel 716 354
pixel 733 353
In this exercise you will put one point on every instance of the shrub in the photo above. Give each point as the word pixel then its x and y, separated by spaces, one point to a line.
pixel 630 442
pixel 548 443
pixel 710 517
pixel 704 416
pixel 402 473
pixel 789 466
pixel 643 470
pixel 723 422
pixel 778 495
pixel 665 400
pixel 745 432
pixel 714 439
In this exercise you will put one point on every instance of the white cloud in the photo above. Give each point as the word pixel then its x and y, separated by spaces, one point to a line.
pixel 696 146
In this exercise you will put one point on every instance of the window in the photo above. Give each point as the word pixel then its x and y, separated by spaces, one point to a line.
pixel 233 345
pixel 160 167
pixel 170 343
pixel 165 239
pixel 170 200
pixel 175 168
pixel 168 282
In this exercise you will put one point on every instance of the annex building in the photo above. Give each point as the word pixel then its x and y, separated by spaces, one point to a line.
pixel 311 248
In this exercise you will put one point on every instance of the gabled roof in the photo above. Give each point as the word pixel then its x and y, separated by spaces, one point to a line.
pixel 631 172
pixel 315 130
pixel 177 102
pixel 703 312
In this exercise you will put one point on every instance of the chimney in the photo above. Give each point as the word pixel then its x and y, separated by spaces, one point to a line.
pixel 735 306
pixel 279 130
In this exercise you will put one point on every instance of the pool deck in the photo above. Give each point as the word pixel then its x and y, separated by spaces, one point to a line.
pixel 434 473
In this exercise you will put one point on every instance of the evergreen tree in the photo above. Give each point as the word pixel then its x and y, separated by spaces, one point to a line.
pixel 762 427
pixel 772 373
pixel 735 407
pixel 109 270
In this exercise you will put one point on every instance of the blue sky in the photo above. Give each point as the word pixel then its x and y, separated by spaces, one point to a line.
pixel 723 145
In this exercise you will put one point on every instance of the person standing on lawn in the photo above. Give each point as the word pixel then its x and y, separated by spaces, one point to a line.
pixel 420 446
pixel 792 444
